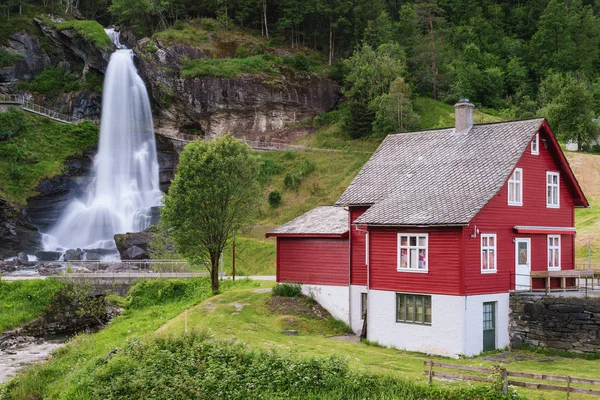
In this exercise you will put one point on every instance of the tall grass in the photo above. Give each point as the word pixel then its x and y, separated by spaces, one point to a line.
pixel 23 301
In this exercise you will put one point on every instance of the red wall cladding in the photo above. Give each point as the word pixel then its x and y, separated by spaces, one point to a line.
pixel 443 274
pixel 318 261
pixel 358 272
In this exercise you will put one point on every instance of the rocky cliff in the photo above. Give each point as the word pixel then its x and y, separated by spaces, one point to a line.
pixel 248 106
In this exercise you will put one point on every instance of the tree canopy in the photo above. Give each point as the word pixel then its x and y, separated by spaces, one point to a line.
pixel 215 192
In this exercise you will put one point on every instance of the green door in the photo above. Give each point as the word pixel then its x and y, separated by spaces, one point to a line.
pixel 489 326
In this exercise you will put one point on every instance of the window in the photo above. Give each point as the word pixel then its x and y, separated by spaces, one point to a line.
pixel 412 252
pixel 552 190
pixel 553 252
pixel 413 308
pixel 515 188
pixel 363 305
pixel 535 145
pixel 488 253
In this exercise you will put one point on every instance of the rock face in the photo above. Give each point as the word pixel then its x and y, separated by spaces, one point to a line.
pixel 17 234
pixel 571 324
pixel 34 60
pixel 249 106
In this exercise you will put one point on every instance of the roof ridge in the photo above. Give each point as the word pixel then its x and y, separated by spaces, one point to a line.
pixel 474 125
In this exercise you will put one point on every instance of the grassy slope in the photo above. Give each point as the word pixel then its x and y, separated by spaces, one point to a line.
pixel 152 304
pixel 587 220
pixel 334 171
pixel 258 327
pixel 37 151
pixel 23 301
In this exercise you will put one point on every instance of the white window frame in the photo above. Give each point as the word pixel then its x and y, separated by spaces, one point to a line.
pixel 408 247
pixel 552 186
pixel 516 184
pixel 487 248
pixel 535 145
pixel 555 250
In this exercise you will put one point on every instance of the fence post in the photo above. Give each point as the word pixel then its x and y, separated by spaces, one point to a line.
pixel 430 372
pixel 504 380
pixel 568 387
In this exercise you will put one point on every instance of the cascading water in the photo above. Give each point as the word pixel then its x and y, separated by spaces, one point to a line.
pixel 125 183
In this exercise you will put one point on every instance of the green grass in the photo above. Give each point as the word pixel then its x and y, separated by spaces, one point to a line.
pixel 436 114
pixel 148 305
pixel 18 23
pixel 260 328
pixel 37 150
pixel 23 301
pixel 7 59
pixel 253 256
pixel 229 67
pixel 90 30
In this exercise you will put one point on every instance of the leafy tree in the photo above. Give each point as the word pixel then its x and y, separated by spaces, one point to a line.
pixel 394 110
pixel 215 191
pixel 569 108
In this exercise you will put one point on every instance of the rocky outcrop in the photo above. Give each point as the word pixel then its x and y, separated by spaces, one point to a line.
pixel 33 60
pixel 251 106
pixel 71 43
pixel 17 234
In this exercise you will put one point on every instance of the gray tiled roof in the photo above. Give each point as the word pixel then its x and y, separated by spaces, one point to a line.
pixel 323 220
pixel 438 177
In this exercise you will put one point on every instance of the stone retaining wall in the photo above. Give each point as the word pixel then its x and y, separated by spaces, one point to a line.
pixel 571 324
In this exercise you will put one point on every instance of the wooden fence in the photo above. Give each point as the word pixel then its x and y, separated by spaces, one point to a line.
pixel 485 375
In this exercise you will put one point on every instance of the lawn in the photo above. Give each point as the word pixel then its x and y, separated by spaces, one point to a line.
pixel 149 305
pixel 244 316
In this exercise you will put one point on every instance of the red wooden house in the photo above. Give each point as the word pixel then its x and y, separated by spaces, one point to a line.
pixel 443 224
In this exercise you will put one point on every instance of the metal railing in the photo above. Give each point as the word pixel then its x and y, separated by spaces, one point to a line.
pixel 37 109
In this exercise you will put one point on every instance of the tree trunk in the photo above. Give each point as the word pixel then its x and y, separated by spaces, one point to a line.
pixel 265 18
pixel 434 69
pixel 330 42
pixel 214 273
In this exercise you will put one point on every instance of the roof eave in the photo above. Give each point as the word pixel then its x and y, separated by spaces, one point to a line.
pixel 305 235
pixel 432 225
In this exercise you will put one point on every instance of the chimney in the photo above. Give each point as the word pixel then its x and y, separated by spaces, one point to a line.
pixel 463 115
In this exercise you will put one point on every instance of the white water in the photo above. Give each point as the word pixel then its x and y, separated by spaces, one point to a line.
pixel 115 37
pixel 125 182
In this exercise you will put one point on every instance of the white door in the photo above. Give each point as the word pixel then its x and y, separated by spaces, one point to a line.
pixel 522 264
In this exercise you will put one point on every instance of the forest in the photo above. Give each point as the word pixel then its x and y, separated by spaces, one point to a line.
pixel 515 59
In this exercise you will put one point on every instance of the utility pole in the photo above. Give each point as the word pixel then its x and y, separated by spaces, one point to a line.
pixel 233 257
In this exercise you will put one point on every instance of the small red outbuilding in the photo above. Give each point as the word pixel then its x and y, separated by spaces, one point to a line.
pixel 313 248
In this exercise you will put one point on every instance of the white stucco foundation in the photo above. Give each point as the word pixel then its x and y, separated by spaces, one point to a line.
pixel 456 324
pixel 334 299
pixel 355 307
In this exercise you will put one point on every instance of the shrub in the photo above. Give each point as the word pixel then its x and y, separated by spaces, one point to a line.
pixel 209 24
pixel 242 51
pixel 7 58
pixel 292 181
pixel 179 25
pixel 274 199
pixel 268 168
pixel 287 290
pixel 51 80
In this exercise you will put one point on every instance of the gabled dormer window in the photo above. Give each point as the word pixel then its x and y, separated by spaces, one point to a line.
pixel 552 190
pixel 535 145
pixel 515 188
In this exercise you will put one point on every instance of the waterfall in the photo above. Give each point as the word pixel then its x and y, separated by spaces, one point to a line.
pixel 125 183
pixel 115 37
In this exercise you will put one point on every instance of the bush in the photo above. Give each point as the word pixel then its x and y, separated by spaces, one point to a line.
pixel 274 199
pixel 51 80
pixel 7 58
pixel 179 25
pixel 292 181
pixel 268 168
pixel 209 24
pixel 287 290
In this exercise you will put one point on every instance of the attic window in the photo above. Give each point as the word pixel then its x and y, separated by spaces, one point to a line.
pixel 515 188
pixel 535 145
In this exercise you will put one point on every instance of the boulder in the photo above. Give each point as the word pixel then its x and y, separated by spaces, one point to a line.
pixel 17 234
pixel 135 253
pixel 73 255
pixel 48 255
